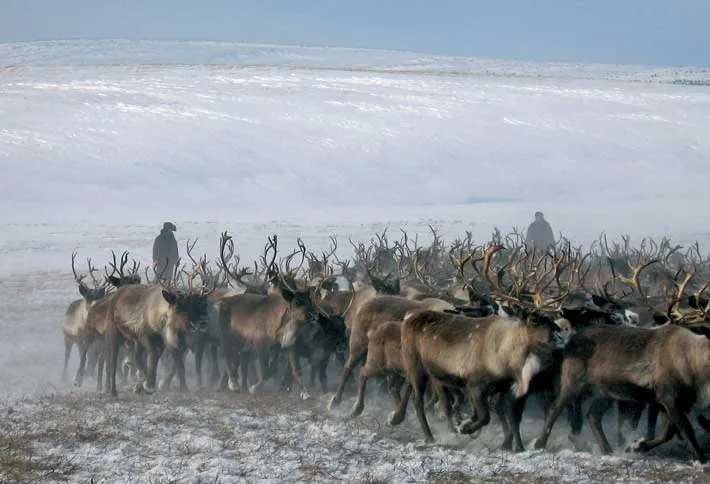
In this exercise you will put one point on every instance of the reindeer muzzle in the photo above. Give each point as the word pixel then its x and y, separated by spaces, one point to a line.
pixel 560 338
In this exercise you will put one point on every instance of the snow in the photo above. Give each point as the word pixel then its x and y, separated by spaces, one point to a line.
pixel 102 141
pixel 239 438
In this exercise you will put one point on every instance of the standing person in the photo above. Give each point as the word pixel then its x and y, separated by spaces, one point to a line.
pixel 165 252
pixel 540 236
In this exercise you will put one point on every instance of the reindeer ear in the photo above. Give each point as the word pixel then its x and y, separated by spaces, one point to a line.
pixel 286 293
pixel 659 319
pixel 115 281
pixel 83 290
pixel 169 297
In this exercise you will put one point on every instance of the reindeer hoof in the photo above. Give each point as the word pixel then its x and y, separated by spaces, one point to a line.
pixel 395 419
pixel 638 445
pixel 232 386
pixel 538 444
pixel 305 396
pixel 467 428
pixel 255 389
pixel 148 389
pixel 138 387
pixel 334 402
pixel 77 382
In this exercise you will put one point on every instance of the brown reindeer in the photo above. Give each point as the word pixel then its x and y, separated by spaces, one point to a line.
pixel 74 323
pixel 95 326
pixel 384 359
pixel 491 356
pixel 153 317
pixel 667 367
pixel 256 323
pixel 486 355
pixel 367 311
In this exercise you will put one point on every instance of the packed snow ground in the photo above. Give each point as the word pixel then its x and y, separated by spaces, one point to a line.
pixel 241 438
pixel 100 142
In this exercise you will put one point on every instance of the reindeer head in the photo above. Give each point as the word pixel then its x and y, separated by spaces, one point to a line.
pixel 118 277
pixel 90 294
pixel 545 329
pixel 301 317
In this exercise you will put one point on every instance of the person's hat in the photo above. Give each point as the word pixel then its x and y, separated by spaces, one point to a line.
pixel 169 226
pixel 538 214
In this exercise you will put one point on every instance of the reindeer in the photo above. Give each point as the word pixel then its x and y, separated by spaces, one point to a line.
pixel 153 317
pixel 667 366
pixel 95 326
pixel 206 334
pixel 367 313
pixel 384 358
pixel 256 323
pixel 491 355
pixel 74 324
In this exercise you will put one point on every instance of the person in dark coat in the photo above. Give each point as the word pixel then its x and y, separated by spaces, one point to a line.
pixel 165 252
pixel 540 236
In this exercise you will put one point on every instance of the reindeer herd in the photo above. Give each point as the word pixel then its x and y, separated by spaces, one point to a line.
pixel 463 328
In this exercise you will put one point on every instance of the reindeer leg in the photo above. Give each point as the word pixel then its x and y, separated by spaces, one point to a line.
pixel 68 343
pixel 179 356
pixel 595 414
pixel 504 409
pixel 419 384
pixel 394 385
pixel 170 365
pixel 447 405
pixel 214 352
pixel 93 356
pixel 152 366
pixel 510 412
pixel 112 339
pixel 677 417
pixel 100 361
pixel 574 416
pixel 563 398
pixel 627 411
pixel 366 372
pixel 517 416
pixel 138 352
pixel 323 371
pixel 233 357
pixel 477 390
pixel 646 444
pixel 354 358
pixel 198 351
pixel 397 417
pixel 261 356
pixel 244 361
pixel 295 364
pixel 653 411
pixel 83 349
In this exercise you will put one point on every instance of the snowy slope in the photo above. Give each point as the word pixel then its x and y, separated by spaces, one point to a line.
pixel 109 134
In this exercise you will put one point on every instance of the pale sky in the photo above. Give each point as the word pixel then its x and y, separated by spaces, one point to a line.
pixel 674 32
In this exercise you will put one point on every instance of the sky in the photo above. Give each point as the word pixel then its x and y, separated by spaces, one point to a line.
pixel 660 32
